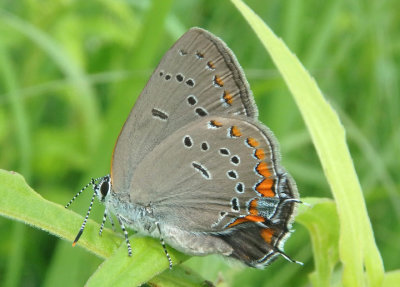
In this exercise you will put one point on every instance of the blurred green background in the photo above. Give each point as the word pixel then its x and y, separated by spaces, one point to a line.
pixel 70 72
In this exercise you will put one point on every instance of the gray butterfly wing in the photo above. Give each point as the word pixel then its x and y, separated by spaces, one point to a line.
pixel 198 76
pixel 220 176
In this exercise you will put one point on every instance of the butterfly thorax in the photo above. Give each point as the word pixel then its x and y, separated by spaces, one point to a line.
pixel 133 215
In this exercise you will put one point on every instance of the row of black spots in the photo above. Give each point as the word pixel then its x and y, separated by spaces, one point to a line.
pixel 200 56
pixel 188 142
pixel 200 111
pixel 178 77
pixel 202 170
pixel 235 160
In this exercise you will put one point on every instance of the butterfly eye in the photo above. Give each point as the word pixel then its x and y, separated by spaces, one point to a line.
pixel 104 188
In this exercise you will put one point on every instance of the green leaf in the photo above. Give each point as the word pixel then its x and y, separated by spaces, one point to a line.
pixel 18 201
pixel 322 222
pixel 391 279
pixel 357 248
pixel 147 261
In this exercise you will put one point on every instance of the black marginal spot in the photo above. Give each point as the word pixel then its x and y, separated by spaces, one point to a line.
pixel 204 146
pixel 179 77
pixel 235 204
pixel 235 160
pixel 224 151
pixel 168 77
pixel 187 141
pixel 159 114
pixel 201 169
pixel 190 83
pixel 239 187
pixel 201 112
pixel 232 174
pixel 191 100
pixel 199 55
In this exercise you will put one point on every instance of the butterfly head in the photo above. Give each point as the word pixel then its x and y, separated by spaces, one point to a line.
pixel 103 188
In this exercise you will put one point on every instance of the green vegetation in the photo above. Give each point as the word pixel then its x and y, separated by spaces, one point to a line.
pixel 70 72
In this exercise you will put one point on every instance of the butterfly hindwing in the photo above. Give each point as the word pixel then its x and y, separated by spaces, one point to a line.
pixel 220 176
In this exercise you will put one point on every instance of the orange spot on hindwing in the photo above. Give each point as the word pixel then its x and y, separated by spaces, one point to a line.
pixel 228 98
pixel 253 207
pixel 235 132
pixel 216 124
pixel 259 153
pixel 210 65
pixel 267 234
pixel 218 81
pixel 262 169
pixel 265 187
pixel 248 218
pixel 252 142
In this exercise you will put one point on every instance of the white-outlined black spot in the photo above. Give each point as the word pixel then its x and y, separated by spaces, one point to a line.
pixel 161 73
pixel 235 204
pixel 201 169
pixel 239 187
pixel 201 112
pixel 179 78
pixel 159 114
pixel 224 151
pixel 192 100
pixel 182 52
pixel 235 160
pixel 168 77
pixel 232 174
pixel 190 83
pixel 187 141
pixel 204 146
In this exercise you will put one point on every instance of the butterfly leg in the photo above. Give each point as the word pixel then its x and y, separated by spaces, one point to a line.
pixel 111 221
pixel 103 222
pixel 163 245
pixel 125 234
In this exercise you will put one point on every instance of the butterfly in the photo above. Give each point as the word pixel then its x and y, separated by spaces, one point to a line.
pixel 194 166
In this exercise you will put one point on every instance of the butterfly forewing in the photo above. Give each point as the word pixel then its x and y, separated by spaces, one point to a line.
pixel 199 76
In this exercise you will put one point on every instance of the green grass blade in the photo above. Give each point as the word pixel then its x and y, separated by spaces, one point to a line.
pixel 391 279
pixel 357 246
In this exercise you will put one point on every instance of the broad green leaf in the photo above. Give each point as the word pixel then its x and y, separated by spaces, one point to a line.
pixel 147 261
pixel 357 248
pixel 19 202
